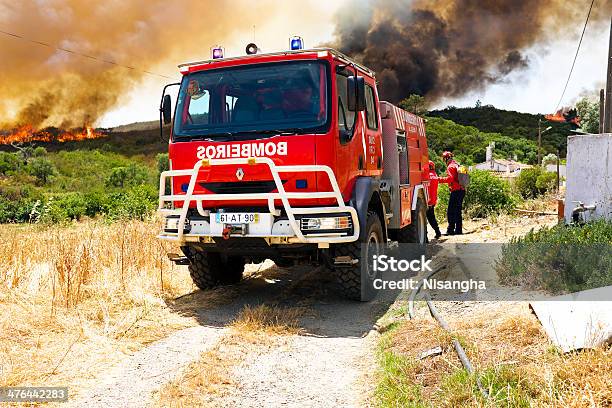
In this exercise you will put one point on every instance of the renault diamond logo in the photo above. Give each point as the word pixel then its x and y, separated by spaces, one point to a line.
pixel 239 173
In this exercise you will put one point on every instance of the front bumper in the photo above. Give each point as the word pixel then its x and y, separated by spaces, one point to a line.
pixel 274 228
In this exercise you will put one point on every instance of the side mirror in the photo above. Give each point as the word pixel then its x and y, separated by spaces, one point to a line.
pixel 356 100
pixel 167 109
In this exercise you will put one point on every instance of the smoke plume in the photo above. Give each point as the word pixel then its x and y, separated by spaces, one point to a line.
pixel 42 86
pixel 446 48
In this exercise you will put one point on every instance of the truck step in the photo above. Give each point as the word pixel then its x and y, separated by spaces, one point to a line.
pixel 177 259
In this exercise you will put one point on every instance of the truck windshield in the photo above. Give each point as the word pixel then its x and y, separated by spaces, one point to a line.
pixel 252 101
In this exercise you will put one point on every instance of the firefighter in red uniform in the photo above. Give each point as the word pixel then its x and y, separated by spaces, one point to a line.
pixel 457 194
pixel 433 198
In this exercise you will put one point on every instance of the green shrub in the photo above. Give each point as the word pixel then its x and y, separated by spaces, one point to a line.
pixel 16 202
pixel 132 175
pixel 559 259
pixel 9 163
pixel 137 202
pixel 535 181
pixel 547 181
pixel 485 195
pixel 42 169
pixel 162 162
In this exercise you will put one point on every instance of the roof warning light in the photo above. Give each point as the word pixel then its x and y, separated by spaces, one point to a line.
pixel 217 52
pixel 296 43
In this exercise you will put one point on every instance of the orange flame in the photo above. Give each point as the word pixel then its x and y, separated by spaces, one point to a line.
pixel 27 133
pixel 562 116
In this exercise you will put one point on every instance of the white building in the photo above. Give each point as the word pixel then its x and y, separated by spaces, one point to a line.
pixel 502 167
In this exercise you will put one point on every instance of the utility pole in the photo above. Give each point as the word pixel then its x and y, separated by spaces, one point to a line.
pixel 602 109
pixel 608 109
pixel 539 141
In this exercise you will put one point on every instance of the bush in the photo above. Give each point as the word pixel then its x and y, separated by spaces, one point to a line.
pixel 526 182
pixel 16 203
pixel 132 175
pixel 9 163
pixel 137 202
pixel 42 169
pixel 485 195
pixel 559 259
pixel 547 181
pixel 162 162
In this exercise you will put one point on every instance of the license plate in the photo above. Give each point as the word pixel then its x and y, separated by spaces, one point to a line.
pixel 237 218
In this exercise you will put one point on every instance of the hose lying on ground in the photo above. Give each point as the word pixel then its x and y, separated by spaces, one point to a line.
pixel 434 312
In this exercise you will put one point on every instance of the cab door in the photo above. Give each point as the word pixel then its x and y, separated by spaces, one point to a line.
pixel 372 137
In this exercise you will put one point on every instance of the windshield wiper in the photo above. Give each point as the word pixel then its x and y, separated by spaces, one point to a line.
pixel 213 137
pixel 273 132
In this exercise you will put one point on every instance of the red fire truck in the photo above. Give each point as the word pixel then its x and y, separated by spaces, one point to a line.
pixel 289 156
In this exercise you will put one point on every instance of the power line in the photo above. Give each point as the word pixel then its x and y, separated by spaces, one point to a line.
pixel 575 56
pixel 92 57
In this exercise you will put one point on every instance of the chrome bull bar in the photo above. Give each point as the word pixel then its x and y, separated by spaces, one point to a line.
pixel 281 195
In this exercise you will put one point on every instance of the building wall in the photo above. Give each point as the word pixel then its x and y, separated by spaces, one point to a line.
pixel 552 168
pixel 589 174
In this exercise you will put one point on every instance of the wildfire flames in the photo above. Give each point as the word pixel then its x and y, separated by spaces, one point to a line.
pixel 28 133
pixel 564 115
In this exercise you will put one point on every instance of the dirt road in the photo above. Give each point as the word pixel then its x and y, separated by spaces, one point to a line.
pixel 329 363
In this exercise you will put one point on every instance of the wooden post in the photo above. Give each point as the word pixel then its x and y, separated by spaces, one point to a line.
pixel 539 141
pixel 608 109
pixel 602 109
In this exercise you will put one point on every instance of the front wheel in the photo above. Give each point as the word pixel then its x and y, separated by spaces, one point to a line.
pixel 209 270
pixel 357 281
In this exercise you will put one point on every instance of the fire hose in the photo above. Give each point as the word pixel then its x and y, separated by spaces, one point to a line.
pixel 434 313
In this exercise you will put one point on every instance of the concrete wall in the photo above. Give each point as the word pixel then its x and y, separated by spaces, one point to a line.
pixel 589 174
pixel 552 168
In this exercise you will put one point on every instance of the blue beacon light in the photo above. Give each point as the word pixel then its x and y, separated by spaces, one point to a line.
pixel 296 43
pixel 217 52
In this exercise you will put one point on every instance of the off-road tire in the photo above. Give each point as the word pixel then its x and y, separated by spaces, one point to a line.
pixel 413 234
pixel 209 270
pixel 353 284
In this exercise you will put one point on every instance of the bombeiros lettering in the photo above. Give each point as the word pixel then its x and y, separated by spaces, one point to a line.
pixel 245 150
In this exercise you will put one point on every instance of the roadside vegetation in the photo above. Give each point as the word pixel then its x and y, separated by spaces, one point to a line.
pixel 37 186
pixel 560 259
pixel 76 299
pixel 512 357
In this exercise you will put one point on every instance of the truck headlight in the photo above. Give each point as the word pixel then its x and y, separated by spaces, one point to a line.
pixel 326 224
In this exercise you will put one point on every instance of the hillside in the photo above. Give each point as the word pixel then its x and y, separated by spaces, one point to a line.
pixel 516 125
pixel 469 143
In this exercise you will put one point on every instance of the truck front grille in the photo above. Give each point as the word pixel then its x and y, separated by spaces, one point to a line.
pixel 241 187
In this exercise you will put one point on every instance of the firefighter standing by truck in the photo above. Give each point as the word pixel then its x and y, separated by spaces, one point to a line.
pixel 433 199
pixel 457 194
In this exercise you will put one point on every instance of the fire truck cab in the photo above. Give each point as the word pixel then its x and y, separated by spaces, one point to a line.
pixel 289 156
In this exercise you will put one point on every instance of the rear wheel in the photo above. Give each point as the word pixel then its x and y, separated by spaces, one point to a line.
pixel 209 270
pixel 357 282
pixel 416 232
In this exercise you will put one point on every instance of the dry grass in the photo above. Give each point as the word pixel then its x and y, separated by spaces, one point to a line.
pixel 271 320
pixel 513 356
pixel 75 299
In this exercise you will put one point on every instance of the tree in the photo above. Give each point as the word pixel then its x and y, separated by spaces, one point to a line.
pixel 588 110
pixel 131 175
pixel 415 104
pixel 117 177
pixel 39 152
pixel 42 169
